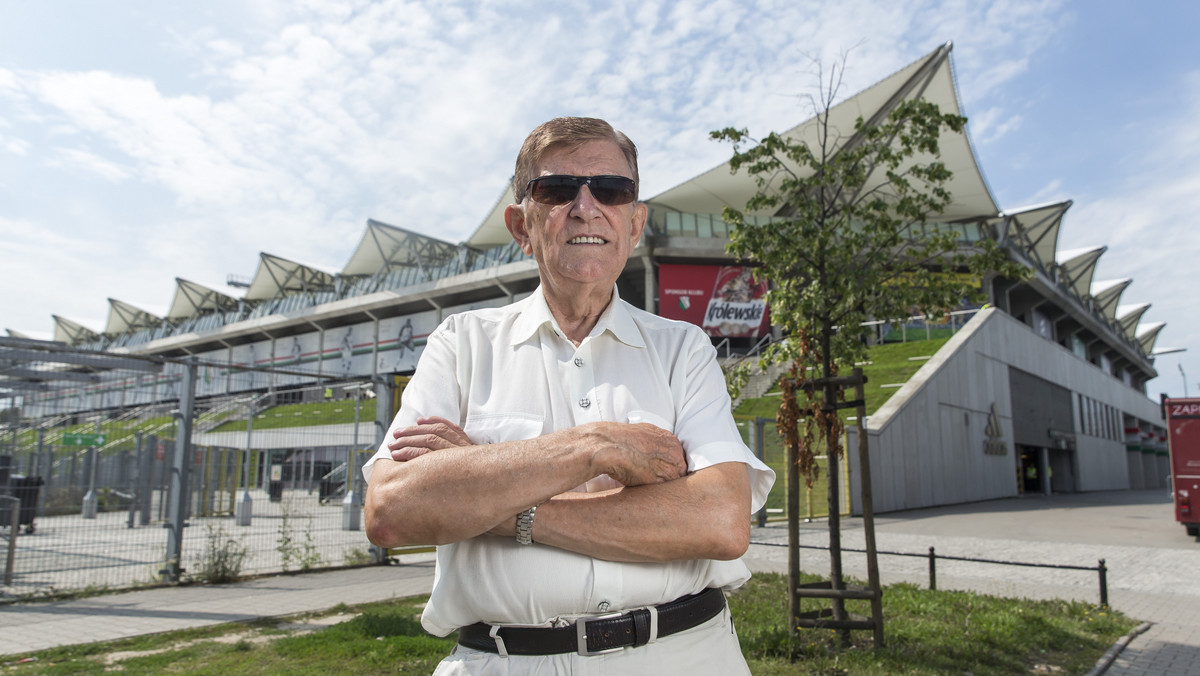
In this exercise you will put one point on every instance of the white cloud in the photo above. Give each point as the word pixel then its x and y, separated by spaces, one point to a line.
pixel 993 124
pixel 1051 192
pixel 288 132
pixel 1147 221
pixel 50 271
pixel 89 163
pixel 15 146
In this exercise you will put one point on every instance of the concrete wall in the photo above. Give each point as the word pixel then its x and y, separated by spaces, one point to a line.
pixel 1152 470
pixel 928 441
pixel 1136 481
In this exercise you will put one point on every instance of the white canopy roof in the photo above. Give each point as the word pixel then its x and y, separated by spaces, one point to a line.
pixel 72 332
pixel 1035 229
pixel 1077 267
pixel 492 232
pixel 192 299
pixel 384 247
pixel 278 277
pixel 124 317
pixel 29 335
pixel 1106 295
pixel 1128 317
pixel 929 78
pixel 1148 335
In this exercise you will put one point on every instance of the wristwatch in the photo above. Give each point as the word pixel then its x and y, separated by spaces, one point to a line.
pixel 525 526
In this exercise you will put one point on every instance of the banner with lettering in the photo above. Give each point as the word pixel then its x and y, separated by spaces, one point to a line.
pixel 726 300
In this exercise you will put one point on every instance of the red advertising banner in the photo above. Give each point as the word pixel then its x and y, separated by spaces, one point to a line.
pixel 726 300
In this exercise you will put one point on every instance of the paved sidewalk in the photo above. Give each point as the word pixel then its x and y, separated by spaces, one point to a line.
pixel 27 627
pixel 1151 563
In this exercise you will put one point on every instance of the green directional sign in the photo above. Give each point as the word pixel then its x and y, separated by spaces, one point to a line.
pixel 83 439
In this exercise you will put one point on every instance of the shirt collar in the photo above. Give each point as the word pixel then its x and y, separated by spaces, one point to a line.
pixel 616 319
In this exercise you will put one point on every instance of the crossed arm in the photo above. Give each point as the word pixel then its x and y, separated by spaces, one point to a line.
pixel 439 488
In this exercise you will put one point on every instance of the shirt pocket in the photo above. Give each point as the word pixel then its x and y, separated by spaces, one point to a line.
pixel 493 428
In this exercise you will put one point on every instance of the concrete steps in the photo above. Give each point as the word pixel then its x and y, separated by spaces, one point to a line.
pixel 760 381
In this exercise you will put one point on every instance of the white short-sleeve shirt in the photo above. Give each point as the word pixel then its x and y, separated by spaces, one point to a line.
pixel 507 374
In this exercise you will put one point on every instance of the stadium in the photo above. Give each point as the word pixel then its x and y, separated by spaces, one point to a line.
pixel 1042 389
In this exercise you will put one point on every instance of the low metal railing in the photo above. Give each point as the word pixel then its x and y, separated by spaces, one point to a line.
pixel 932 557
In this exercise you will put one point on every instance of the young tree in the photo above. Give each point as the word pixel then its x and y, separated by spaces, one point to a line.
pixel 850 240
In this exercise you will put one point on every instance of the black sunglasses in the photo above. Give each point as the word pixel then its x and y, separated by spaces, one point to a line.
pixel 561 189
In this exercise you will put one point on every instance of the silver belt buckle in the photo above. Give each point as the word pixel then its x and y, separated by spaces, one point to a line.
pixel 581 645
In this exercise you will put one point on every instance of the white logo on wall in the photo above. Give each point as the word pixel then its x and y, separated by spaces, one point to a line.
pixel 993 443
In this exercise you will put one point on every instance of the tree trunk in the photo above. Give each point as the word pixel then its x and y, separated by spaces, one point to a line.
pixel 829 408
pixel 793 525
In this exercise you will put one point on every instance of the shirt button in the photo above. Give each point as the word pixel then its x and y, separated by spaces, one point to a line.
pixel 585 402
pixel 603 607
pixel 579 361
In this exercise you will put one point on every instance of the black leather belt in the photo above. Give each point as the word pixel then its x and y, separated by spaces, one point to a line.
pixel 597 634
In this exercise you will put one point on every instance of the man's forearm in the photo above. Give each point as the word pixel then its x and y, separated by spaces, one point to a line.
pixel 704 515
pixel 448 493
pixel 458 493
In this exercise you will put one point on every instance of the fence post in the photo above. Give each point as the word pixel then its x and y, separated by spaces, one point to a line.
pixel 136 487
pixel 243 511
pixel 210 465
pixel 756 441
pixel 90 500
pixel 932 569
pixel 145 492
pixel 181 462
pixel 47 468
pixel 1103 583
pixel 10 561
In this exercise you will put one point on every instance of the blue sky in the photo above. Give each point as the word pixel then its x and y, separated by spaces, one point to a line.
pixel 143 141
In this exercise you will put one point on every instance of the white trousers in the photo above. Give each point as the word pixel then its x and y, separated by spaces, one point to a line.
pixel 710 648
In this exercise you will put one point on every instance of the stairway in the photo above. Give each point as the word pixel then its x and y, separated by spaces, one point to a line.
pixel 760 382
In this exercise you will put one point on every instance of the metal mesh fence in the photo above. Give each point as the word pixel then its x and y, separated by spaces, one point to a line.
pixel 108 495
pixel 762 436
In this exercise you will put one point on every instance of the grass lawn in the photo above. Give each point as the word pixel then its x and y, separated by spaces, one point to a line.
pixel 930 632
pixel 889 364
pixel 336 412
pixel 927 632
pixel 894 364
pixel 121 435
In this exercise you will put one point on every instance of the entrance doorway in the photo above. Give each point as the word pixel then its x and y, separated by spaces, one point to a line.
pixel 1029 470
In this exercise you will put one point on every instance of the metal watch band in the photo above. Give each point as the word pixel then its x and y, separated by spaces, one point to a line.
pixel 525 526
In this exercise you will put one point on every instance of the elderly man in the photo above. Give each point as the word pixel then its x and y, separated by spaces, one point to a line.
pixel 574 458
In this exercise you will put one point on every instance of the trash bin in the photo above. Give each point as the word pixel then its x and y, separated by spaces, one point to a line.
pixel 275 485
pixel 328 488
pixel 6 508
pixel 25 489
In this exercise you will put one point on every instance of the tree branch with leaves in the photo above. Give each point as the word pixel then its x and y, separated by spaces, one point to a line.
pixel 852 238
